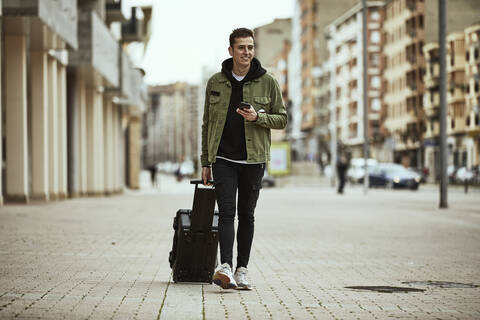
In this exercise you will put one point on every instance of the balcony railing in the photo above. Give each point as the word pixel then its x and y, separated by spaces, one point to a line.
pixel 132 31
pixel 97 47
pixel 114 11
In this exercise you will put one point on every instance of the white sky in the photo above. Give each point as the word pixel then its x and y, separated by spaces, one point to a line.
pixel 190 34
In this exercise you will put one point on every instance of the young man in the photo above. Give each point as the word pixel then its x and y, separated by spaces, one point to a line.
pixel 236 146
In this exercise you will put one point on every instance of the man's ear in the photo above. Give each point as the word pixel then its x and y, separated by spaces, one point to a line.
pixel 230 51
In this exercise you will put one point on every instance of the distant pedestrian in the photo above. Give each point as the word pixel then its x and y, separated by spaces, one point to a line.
pixel 342 166
pixel 242 104
pixel 153 175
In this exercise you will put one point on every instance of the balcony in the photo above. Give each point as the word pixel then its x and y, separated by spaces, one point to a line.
pixel 432 82
pixel 131 84
pixel 114 11
pixel 60 16
pixel 97 48
pixel 133 29
pixel 412 5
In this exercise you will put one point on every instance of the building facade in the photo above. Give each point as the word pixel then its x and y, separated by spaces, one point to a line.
pixel 314 16
pixel 174 127
pixel 272 46
pixel 70 103
pixel 346 61
pixel 463 101
pixel 409 24
pixel 472 94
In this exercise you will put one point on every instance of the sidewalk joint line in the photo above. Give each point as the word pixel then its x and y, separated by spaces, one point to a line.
pixel 164 297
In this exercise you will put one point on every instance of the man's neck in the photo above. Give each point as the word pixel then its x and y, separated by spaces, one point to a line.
pixel 240 71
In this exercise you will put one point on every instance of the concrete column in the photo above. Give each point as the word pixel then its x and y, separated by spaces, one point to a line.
pixel 62 130
pixel 91 150
pixel 40 107
pixel 82 136
pixel 53 126
pixel 100 151
pixel 134 136
pixel 115 149
pixel 108 145
pixel 16 118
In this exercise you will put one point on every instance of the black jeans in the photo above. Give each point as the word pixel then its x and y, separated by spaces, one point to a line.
pixel 247 179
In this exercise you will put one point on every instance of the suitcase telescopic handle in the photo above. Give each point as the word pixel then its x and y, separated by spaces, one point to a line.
pixel 200 181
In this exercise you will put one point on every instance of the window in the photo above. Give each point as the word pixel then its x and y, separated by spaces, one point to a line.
pixel 375 37
pixel 376 105
pixel 375 82
pixel 375 60
pixel 374 15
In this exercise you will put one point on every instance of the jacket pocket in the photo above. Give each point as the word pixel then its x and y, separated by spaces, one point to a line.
pixel 262 103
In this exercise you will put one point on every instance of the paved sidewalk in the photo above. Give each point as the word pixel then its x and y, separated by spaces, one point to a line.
pixel 106 258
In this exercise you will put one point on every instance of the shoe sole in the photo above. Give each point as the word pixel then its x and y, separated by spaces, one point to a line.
pixel 223 281
pixel 247 288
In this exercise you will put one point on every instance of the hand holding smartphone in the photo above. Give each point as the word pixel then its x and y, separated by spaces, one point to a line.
pixel 244 105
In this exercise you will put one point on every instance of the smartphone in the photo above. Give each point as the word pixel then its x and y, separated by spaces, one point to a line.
pixel 244 105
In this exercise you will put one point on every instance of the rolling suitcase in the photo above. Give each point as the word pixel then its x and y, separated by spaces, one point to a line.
pixel 194 251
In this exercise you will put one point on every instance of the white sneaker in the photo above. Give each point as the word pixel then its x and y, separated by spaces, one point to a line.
pixel 223 277
pixel 241 279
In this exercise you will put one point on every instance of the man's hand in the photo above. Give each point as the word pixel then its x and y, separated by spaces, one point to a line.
pixel 206 175
pixel 248 114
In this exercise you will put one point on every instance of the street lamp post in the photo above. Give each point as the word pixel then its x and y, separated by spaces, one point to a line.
pixel 442 26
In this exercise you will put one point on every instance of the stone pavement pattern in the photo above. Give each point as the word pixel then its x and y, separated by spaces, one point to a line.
pixel 106 258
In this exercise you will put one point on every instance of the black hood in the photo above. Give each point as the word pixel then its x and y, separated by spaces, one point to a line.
pixel 256 70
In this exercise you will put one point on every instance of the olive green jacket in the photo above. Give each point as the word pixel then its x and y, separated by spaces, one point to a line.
pixel 264 94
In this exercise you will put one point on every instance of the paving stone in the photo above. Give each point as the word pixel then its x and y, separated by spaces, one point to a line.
pixel 102 258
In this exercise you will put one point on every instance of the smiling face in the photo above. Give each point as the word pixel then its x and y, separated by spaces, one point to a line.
pixel 242 52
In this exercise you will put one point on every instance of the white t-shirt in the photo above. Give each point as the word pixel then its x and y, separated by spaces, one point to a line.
pixel 239 78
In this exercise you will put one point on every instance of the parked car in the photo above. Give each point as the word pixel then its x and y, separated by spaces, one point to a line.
pixel 356 171
pixel 463 174
pixel 393 176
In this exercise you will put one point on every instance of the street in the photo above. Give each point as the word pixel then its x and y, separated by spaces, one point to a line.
pixel 107 258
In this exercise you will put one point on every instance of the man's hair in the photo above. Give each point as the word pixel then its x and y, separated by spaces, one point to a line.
pixel 240 33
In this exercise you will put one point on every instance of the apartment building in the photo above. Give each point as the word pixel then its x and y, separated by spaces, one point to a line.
pixel 409 24
pixel 272 46
pixel 462 67
pixel 456 112
pixel 346 63
pixel 174 131
pixel 71 102
pixel 322 97
pixel 431 106
pixel 314 16
pixel 270 40
pixel 472 94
